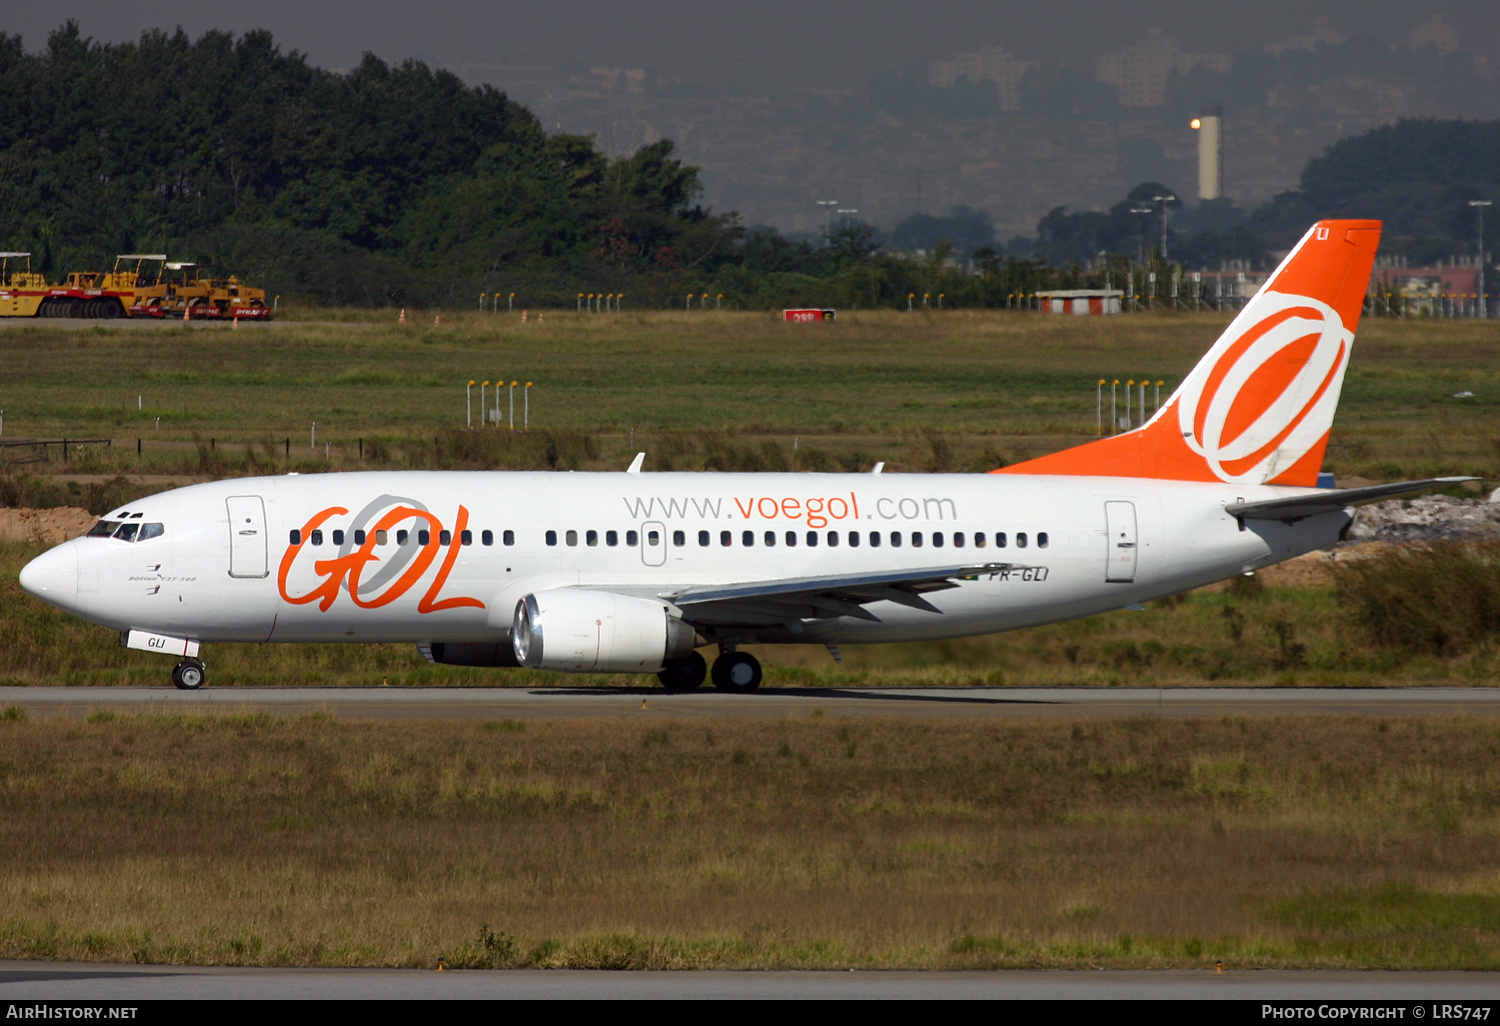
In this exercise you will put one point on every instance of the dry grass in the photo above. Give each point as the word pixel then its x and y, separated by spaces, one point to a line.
pixel 809 843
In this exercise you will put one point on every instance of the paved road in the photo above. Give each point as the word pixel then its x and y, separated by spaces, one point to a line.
pixel 22 981
pixel 918 703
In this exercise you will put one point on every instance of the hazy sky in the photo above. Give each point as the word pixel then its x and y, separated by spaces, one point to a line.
pixel 764 45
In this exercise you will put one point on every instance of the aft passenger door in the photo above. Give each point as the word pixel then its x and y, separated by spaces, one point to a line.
pixel 653 544
pixel 1119 521
pixel 248 555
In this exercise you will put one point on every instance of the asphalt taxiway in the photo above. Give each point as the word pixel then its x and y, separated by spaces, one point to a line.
pixel 378 702
pixel 64 981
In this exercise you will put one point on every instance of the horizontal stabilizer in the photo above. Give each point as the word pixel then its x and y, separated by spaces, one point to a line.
pixel 1300 507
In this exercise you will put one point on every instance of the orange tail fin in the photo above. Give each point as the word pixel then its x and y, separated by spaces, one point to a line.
pixel 1258 408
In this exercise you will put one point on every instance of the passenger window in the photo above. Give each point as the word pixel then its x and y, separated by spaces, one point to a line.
pixel 854 539
pixel 916 539
pixel 151 531
pixel 551 537
pixel 747 539
pixel 509 538
pixel 591 539
pixel 401 537
pixel 653 538
pixel 812 539
pixel 958 539
pixel 791 539
pixel 1020 539
pixel 937 539
pixel 874 539
pixel 611 538
pixel 632 539
pixel 895 539
pixel 833 539
pixel 127 532
pixel 338 537
pixel 424 537
pixel 572 538
pixel 382 537
pixel 679 538
pixel 726 538
pixel 703 538
pixel 979 539
pixel 486 537
pixel 445 537
pixel 1041 539
pixel 770 539
pixel 317 536
pixel 294 538
pixel 999 539
pixel 466 538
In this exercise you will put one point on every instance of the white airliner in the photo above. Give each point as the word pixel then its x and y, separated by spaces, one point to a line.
pixel 632 572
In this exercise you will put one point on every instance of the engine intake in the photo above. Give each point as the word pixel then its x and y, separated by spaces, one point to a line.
pixel 579 631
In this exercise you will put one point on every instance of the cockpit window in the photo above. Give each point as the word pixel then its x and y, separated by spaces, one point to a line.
pixel 103 529
pixel 150 531
pixel 127 532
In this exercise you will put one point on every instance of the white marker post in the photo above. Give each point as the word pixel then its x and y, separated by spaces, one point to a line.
pixel 313 444
pixel 1129 387
pixel 526 408
pixel 1099 408
pixel 469 405
pixel 513 385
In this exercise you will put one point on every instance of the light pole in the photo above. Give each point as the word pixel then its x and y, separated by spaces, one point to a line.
pixel 1140 242
pixel 1479 206
pixel 827 206
pixel 846 211
pixel 1164 200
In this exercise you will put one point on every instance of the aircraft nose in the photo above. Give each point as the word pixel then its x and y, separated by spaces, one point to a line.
pixel 53 576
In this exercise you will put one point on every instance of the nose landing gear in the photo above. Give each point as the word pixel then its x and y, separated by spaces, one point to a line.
pixel 188 674
pixel 736 671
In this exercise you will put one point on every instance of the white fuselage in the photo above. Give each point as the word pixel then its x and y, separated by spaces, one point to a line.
pixel 226 568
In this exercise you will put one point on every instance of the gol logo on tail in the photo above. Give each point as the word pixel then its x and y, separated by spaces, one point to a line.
pixel 345 572
pixel 1269 398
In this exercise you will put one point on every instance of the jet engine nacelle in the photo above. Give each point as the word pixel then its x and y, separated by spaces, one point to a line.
pixel 579 631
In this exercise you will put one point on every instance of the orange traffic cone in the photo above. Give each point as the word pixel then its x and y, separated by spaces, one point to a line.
pixel 524 315
pixel 236 323
pixel 402 318
pixel 184 315
pixel 437 322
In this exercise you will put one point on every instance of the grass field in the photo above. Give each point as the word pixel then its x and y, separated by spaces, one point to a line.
pixel 815 842
pixel 950 391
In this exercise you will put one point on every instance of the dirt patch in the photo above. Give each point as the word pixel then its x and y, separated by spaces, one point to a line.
pixel 48 526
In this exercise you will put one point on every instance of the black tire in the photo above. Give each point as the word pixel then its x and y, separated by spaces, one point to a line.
pixel 77 309
pixel 684 674
pixel 736 672
pixel 112 309
pixel 188 675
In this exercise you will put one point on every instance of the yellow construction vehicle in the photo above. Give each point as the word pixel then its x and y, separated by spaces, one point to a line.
pixel 134 288
pixel 24 293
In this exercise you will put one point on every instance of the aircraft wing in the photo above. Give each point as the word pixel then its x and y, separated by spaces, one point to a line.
pixel 1300 507
pixel 762 603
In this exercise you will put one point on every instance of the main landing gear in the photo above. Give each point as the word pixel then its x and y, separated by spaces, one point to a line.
pixel 685 673
pixel 188 674
pixel 733 671
pixel 736 671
